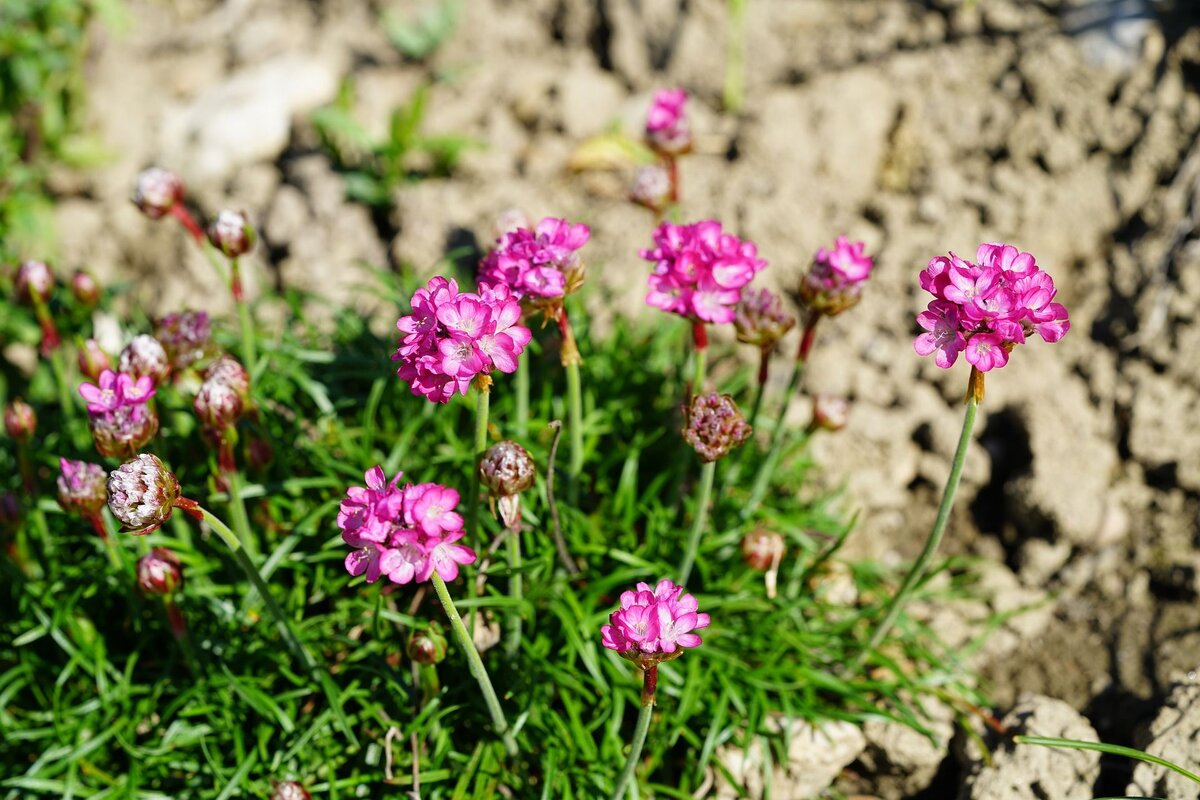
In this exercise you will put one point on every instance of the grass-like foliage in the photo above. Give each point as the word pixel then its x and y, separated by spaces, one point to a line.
pixel 98 699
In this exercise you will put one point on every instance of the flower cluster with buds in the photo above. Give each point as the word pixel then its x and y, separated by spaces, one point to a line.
pixel 186 336
pixel 157 191
pixel 145 357
pixel 428 645
pixel 159 572
pixel 142 493
pixel 985 309
pixel 539 266
pixel 231 233
pixel 34 282
pixel 830 412
pixel 667 128
pixel 654 625
pixel 700 270
pixel 119 413
pixel 760 319
pixel 713 425
pixel 507 469
pixel 20 420
pixel 835 281
pixel 84 288
pixel 405 533
pixel 82 487
pixel 451 337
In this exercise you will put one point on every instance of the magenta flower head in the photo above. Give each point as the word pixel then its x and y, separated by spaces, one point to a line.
pixel 34 281
pixel 667 129
pixel 82 487
pixel 157 191
pixel 232 233
pixel 405 533
pixel 20 420
pixel 289 790
pixel 760 319
pixel 186 336
pixel 654 625
pixel 119 413
pixel 700 270
pixel 835 281
pixel 451 337
pixel 142 493
pixel 507 469
pixel 145 356
pixel 713 425
pixel 84 288
pixel 985 309
pixel 539 266
pixel 159 572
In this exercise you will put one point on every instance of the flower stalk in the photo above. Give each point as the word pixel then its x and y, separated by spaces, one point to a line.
pixel 571 361
pixel 939 526
pixel 645 713
pixel 699 521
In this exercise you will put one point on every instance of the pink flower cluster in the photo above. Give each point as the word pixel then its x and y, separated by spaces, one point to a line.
pixel 116 390
pixel 699 270
pixel 536 263
pixel 667 129
pixel 451 336
pixel 654 625
pixel 406 533
pixel 119 413
pixel 986 308
pixel 835 281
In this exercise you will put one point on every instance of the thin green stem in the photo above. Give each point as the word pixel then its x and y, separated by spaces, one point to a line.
pixel 699 521
pixel 1112 749
pixel 475 665
pixel 521 425
pixel 245 319
pixel 762 480
pixel 482 406
pixel 575 424
pixel 935 536
pixel 282 621
pixel 639 735
pixel 516 591
pixel 237 510
pixel 65 400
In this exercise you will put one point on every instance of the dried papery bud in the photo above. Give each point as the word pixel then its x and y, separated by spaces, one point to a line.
pixel 761 318
pixel 33 280
pixel 186 336
pixel 20 420
pixel 145 356
pixel 82 487
pixel 122 431
pixel 509 220
pixel 830 412
pixel 289 790
pixel 231 233
pixel 229 371
pixel 217 404
pixel 507 469
pixel 93 360
pixel 159 572
pixel 142 493
pixel 427 646
pixel 651 187
pixel 84 288
pixel 713 425
pixel 157 191
pixel 763 549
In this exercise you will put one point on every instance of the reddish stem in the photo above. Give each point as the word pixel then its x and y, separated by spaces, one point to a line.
pixel 175 618
pixel 699 335
pixel 764 365
pixel 808 337
pixel 235 281
pixel 191 508
pixel 98 526
pixel 650 685
pixel 673 174
pixel 179 212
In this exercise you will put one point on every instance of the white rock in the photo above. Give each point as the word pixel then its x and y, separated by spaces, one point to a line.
pixel 816 756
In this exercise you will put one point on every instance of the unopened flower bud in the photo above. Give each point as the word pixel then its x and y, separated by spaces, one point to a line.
pixel 142 493
pixel 93 360
pixel 145 356
pixel 159 572
pixel 507 469
pixel 761 319
pixel 20 420
pixel 762 549
pixel 713 425
pixel 82 487
pixel 217 404
pixel 85 289
pixel 651 187
pixel 34 281
pixel 186 336
pixel 122 431
pixel 229 371
pixel 830 412
pixel 157 191
pixel 427 646
pixel 289 790
pixel 231 233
